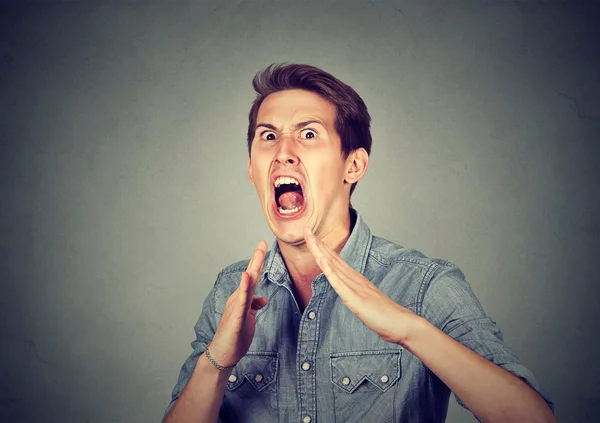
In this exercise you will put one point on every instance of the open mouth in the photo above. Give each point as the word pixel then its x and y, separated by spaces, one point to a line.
pixel 289 196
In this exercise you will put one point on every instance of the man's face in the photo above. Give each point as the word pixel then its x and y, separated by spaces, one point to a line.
pixel 295 138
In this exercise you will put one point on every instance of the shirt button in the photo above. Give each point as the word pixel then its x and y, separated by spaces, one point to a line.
pixel 384 379
pixel 232 378
pixel 346 381
pixel 258 377
pixel 306 419
pixel 306 366
pixel 312 315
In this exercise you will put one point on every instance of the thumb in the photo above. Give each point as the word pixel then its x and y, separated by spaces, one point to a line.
pixel 258 303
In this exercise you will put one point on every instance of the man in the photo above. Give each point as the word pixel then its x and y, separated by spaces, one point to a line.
pixel 333 324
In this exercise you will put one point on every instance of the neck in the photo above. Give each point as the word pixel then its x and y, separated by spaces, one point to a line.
pixel 300 262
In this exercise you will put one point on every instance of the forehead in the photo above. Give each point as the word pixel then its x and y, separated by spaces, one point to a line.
pixel 295 105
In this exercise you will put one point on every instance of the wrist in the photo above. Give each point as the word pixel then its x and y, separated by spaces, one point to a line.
pixel 215 363
pixel 206 371
pixel 418 328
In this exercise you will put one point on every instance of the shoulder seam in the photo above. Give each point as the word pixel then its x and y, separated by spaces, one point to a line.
pixel 423 263
pixel 224 272
pixel 427 278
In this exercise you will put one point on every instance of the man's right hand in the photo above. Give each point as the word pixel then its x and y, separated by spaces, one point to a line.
pixel 236 328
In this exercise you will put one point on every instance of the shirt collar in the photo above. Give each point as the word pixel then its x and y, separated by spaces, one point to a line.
pixel 354 252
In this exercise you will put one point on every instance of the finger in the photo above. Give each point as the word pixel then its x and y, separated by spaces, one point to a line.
pixel 250 299
pixel 334 274
pixel 250 273
pixel 325 250
pixel 252 260
pixel 338 269
pixel 343 270
pixel 241 297
pixel 336 282
pixel 260 259
pixel 257 260
pixel 243 288
pixel 319 253
pixel 320 250
pixel 317 246
pixel 312 244
pixel 254 279
pixel 255 276
pixel 262 245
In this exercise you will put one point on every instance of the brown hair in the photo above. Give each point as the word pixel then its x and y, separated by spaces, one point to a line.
pixel 352 121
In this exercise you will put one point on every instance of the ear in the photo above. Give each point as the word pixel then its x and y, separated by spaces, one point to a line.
pixel 250 173
pixel 356 165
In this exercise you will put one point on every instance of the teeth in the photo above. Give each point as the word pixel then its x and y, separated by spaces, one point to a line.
pixel 285 180
pixel 294 210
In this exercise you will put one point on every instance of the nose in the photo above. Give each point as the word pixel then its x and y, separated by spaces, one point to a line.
pixel 287 152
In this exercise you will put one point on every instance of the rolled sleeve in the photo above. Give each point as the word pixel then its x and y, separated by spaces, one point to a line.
pixel 449 303
pixel 204 329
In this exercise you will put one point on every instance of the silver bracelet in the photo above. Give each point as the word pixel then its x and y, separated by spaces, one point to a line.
pixel 214 363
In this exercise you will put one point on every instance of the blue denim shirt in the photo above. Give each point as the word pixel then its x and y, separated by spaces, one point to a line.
pixel 324 364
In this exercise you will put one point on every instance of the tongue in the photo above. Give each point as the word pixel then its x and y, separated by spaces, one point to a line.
pixel 290 200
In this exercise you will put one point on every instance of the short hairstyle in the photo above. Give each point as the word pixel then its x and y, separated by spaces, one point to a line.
pixel 352 121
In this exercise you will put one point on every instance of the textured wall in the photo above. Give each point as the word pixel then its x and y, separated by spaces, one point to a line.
pixel 123 184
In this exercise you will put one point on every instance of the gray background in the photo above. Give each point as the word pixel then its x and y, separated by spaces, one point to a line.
pixel 124 191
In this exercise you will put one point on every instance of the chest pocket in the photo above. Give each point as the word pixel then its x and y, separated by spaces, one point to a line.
pixel 251 391
pixel 259 369
pixel 363 385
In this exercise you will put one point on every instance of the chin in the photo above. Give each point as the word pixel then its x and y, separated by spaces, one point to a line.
pixel 288 229
pixel 292 236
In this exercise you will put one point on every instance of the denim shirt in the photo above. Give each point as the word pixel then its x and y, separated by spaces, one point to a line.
pixel 324 364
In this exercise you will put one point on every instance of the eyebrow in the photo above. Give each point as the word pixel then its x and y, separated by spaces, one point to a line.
pixel 296 127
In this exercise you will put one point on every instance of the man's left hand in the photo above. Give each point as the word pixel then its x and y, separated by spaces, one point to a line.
pixel 391 321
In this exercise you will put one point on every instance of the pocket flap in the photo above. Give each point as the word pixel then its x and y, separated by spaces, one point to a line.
pixel 258 368
pixel 381 368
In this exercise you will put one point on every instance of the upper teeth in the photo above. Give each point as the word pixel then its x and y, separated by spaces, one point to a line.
pixel 285 180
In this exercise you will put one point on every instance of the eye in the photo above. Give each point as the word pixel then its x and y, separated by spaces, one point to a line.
pixel 308 133
pixel 268 135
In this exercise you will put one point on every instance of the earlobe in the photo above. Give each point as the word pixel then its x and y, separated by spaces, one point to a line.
pixel 250 173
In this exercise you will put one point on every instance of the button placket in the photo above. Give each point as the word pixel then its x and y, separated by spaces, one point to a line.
pixel 306 352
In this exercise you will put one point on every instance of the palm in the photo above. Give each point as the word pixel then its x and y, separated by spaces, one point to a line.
pixel 236 328
pixel 376 310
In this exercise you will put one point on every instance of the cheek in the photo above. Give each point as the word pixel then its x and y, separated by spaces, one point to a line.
pixel 331 172
pixel 257 169
pixel 326 179
pixel 259 176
